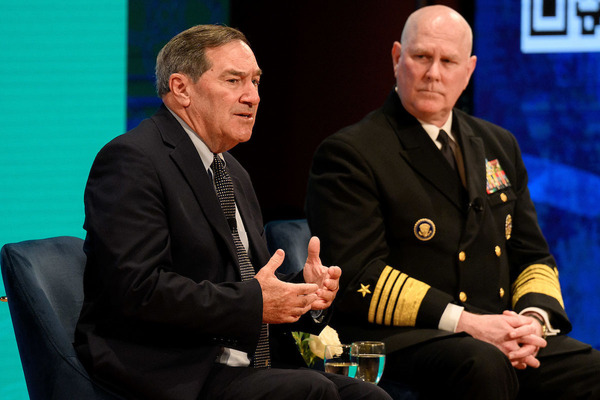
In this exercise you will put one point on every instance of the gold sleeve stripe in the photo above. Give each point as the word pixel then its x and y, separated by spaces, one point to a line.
pixel 377 292
pixel 385 294
pixel 396 299
pixel 389 313
pixel 537 278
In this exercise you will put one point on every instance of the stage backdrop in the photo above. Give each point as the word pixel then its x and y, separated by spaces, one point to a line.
pixel 538 76
pixel 63 80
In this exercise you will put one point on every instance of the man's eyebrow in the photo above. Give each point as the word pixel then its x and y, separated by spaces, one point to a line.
pixel 234 72
pixel 419 50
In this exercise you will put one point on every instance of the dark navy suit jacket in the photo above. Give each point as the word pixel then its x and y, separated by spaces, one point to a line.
pixel 162 285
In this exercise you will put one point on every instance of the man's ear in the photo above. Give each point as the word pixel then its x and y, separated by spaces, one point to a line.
pixel 470 67
pixel 396 52
pixel 180 88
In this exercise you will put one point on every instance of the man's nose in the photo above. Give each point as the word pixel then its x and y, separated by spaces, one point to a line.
pixel 433 72
pixel 250 95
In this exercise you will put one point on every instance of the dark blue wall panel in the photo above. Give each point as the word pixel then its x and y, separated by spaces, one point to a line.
pixel 551 102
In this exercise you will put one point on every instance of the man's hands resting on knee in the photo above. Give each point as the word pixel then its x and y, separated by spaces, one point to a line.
pixel 519 337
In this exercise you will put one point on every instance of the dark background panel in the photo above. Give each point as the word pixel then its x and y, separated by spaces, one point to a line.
pixel 326 65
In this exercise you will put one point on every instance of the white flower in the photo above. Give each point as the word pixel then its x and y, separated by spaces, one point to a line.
pixel 328 336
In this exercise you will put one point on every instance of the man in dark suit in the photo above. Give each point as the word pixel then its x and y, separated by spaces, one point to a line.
pixel 427 211
pixel 176 304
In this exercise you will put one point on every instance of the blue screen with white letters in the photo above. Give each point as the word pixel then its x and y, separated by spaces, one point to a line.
pixel 538 75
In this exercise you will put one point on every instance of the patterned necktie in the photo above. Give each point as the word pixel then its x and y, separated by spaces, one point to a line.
pixel 224 187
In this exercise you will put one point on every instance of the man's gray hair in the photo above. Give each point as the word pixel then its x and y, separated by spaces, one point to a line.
pixel 186 53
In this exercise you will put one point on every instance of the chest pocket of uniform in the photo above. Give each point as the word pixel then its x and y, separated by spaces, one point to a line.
pixel 502 197
pixel 502 204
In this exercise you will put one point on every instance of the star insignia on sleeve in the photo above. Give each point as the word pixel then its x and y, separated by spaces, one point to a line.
pixel 364 289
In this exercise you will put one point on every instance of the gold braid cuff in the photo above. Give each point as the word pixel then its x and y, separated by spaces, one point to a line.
pixel 537 278
pixel 396 299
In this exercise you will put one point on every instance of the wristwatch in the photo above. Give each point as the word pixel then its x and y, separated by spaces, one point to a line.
pixel 542 323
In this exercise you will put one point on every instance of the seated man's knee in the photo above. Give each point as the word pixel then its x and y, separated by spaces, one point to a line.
pixel 312 385
pixel 486 364
pixel 485 360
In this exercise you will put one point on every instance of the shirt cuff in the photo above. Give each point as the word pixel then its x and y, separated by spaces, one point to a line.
pixel 550 331
pixel 450 317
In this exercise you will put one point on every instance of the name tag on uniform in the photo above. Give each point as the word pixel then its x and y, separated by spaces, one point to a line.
pixel 495 176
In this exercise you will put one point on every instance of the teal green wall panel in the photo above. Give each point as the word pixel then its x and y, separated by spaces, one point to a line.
pixel 63 78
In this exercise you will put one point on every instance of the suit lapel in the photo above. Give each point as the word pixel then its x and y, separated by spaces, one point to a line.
pixel 474 159
pixel 185 156
pixel 421 153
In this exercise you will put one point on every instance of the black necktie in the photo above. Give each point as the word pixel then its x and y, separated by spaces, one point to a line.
pixel 224 187
pixel 447 151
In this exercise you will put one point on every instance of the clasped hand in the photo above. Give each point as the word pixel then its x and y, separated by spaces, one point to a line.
pixel 517 336
pixel 285 302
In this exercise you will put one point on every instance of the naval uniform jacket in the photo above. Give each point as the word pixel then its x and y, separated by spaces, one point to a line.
pixel 393 214
pixel 163 292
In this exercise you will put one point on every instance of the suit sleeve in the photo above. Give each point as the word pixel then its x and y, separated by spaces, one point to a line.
pixel 131 270
pixel 534 274
pixel 344 210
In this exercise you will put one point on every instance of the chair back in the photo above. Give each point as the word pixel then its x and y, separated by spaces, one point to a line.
pixel 292 236
pixel 44 285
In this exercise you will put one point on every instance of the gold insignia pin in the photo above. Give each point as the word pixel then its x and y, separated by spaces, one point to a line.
pixel 364 289
pixel 498 251
pixel 508 226
pixel 424 229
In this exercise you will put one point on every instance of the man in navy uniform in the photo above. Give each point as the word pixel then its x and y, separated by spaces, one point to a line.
pixel 427 211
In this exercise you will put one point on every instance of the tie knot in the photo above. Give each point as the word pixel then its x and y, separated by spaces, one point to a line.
pixel 217 163
pixel 224 187
pixel 443 138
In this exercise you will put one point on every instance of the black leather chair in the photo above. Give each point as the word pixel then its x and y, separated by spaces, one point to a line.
pixel 292 236
pixel 44 285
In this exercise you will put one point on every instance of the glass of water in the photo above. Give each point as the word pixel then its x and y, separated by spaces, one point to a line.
pixel 370 357
pixel 338 360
